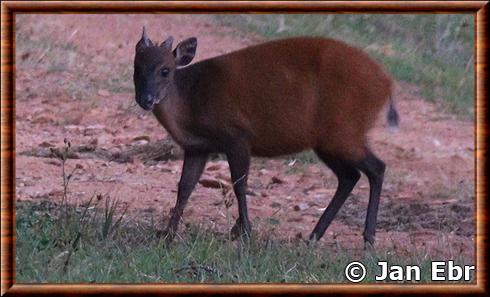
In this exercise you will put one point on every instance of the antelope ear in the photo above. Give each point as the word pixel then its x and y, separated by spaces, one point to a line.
pixel 185 51
pixel 144 41
pixel 167 44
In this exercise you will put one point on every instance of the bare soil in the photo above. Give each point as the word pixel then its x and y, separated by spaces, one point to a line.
pixel 119 150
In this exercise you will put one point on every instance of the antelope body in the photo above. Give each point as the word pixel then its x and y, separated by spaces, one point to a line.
pixel 276 98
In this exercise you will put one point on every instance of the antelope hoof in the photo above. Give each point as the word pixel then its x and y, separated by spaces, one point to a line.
pixel 167 235
pixel 239 230
pixel 313 238
pixel 368 241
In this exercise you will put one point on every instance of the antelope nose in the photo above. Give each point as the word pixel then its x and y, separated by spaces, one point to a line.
pixel 149 99
pixel 145 101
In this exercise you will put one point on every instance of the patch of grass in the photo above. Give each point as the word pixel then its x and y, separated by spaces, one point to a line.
pixel 433 51
pixel 132 253
pixel 41 53
pixel 78 74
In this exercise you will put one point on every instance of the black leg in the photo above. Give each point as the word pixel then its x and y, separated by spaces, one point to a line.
pixel 374 169
pixel 238 156
pixel 191 171
pixel 347 176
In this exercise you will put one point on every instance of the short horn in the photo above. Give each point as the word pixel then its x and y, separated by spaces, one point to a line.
pixel 145 38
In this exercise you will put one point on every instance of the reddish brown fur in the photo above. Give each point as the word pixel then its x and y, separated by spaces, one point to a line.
pixel 287 95
pixel 276 98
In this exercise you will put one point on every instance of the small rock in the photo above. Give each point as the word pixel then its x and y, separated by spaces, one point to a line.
pixel 276 180
pixel 214 183
pixel 45 144
pixel 139 142
pixel 25 55
pixel 301 207
pixel 263 171
pixel 142 137
pixel 275 205
pixel 95 127
pixel 104 93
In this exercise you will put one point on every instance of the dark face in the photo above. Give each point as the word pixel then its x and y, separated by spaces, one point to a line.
pixel 154 68
pixel 153 73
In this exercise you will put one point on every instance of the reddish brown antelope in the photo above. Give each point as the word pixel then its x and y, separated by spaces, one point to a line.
pixel 276 98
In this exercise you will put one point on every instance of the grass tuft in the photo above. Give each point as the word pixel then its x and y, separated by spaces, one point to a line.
pixel 50 252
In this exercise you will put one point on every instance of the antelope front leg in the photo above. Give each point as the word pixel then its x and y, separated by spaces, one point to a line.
pixel 191 171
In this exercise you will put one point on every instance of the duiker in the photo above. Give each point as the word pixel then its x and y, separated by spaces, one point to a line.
pixel 276 98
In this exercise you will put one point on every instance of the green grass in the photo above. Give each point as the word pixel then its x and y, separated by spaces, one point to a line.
pixel 77 75
pixel 48 234
pixel 433 51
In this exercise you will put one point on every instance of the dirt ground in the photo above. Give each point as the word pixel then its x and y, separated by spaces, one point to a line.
pixel 428 196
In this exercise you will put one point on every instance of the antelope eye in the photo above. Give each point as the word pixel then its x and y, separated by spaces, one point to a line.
pixel 165 72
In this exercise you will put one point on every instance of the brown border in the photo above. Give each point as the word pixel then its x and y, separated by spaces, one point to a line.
pixel 8 10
